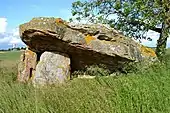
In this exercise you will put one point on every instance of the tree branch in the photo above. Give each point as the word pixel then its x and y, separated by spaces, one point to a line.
pixel 135 22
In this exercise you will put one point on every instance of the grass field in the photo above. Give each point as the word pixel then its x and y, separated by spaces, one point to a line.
pixel 142 92
pixel 12 55
pixel 9 59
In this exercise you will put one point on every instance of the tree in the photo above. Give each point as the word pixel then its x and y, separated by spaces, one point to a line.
pixel 9 49
pixel 17 48
pixel 133 17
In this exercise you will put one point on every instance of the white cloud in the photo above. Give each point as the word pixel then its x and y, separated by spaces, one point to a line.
pixel 4 40
pixel 15 32
pixel 168 42
pixel 154 36
pixel 3 25
pixel 9 38
pixel 14 38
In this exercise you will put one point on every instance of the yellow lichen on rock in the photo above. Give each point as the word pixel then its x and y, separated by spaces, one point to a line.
pixel 89 38
pixel 29 52
pixel 61 21
pixel 148 52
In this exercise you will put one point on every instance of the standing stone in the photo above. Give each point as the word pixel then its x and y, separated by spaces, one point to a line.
pixel 26 67
pixel 53 68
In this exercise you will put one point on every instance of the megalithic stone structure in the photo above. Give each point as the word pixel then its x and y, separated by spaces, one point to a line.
pixel 53 41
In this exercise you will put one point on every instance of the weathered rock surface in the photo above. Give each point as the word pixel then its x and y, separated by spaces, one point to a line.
pixel 78 45
pixel 85 44
pixel 27 65
pixel 53 68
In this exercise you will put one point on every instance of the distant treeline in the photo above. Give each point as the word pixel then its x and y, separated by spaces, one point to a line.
pixel 12 49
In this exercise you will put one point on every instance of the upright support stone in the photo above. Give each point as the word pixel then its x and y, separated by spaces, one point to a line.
pixel 53 68
pixel 27 65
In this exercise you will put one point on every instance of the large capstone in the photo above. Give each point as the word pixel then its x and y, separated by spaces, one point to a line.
pixel 53 68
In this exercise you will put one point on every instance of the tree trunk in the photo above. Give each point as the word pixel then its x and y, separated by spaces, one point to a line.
pixel 162 41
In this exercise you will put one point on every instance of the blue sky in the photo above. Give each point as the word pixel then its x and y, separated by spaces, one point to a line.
pixel 20 11
pixel 15 12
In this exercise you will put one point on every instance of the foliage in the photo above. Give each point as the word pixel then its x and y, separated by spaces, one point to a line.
pixel 133 17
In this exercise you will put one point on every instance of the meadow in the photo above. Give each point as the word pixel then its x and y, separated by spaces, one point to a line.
pixel 139 92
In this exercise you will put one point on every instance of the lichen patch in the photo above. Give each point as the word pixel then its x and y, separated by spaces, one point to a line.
pixel 148 51
pixel 89 38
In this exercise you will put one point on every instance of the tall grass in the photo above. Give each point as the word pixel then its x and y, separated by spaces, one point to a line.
pixel 147 92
